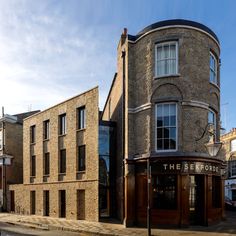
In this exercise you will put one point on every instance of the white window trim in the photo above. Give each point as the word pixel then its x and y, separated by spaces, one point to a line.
pixel 231 145
pixel 177 58
pixel 216 74
pixel 210 110
pixel 176 122
pixel 231 164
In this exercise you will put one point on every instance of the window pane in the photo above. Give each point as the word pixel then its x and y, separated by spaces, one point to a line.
pixel 233 145
pixel 159 144
pixel 159 133
pixel 159 110
pixel 160 121
pixel 172 51
pixel 159 49
pixel 166 144
pixel 166 51
pixel 166 110
pixel 166 133
pixel 164 194
pixel 211 117
pixel 172 121
pixel 172 144
pixel 172 66
pixel 166 121
pixel 172 132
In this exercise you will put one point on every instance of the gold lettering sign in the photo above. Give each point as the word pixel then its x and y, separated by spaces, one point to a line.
pixel 191 167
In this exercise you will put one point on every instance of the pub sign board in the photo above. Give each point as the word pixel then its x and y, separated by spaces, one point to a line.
pixel 188 167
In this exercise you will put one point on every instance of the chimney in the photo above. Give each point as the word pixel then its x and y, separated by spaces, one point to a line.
pixel 123 36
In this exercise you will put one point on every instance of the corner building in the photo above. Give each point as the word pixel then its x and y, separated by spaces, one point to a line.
pixel 164 96
pixel 60 156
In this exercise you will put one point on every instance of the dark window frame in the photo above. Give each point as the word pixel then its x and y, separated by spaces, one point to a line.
pixel 62 161
pixel 46 129
pixel 33 166
pixel 81 163
pixel 32 134
pixel 81 117
pixel 46 164
pixel 62 124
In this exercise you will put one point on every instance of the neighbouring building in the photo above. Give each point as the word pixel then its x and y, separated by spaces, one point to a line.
pixel 61 161
pixel 11 153
pixel 165 100
pixel 229 147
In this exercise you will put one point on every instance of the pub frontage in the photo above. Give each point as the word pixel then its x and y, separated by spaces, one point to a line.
pixel 183 192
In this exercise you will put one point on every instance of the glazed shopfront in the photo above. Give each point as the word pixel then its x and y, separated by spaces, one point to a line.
pixel 183 192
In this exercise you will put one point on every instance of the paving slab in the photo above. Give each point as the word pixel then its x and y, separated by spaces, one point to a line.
pixel 224 228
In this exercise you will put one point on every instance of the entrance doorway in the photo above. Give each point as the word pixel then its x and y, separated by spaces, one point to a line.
pixel 196 199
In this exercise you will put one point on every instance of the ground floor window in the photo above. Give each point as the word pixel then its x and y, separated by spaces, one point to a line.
pixel 164 192
pixel 46 202
pixel 32 202
pixel 233 195
pixel 62 203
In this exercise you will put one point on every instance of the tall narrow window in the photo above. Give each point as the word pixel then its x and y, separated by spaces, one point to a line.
pixel 166 131
pixel 46 164
pixel 62 161
pixel 166 59
pixel 46 203
pixel 81 158
pixel 33 166
pixel 232 168
pixel 62 124
pixel 32 202
pixel 62 203
pixel 46 129
pixel 213 69
pixel 32 133
pixel 81 117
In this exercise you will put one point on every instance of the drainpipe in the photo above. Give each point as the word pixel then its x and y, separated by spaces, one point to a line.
pixel 3 165
pixel 123 127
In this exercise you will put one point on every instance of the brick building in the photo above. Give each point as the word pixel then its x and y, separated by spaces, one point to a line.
pixel 229 149
pixel 162 111
pixel 61 161
pixel 11 152
pixel 165 100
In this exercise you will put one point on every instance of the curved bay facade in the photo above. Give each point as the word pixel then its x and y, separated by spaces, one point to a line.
pixel 165 99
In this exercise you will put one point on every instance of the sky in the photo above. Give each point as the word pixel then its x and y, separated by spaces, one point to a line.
pixel 51 50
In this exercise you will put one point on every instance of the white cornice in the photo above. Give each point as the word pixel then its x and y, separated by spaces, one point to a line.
pixel 140 108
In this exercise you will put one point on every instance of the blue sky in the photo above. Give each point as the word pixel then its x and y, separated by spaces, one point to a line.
pixel 51 50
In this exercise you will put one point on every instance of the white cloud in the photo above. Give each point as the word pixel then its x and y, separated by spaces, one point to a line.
pixel 46 57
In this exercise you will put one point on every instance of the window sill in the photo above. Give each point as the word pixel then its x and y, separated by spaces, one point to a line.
pixel 166 151
pixel 78 130
pixel 45 140
pixel 31 144
pixel 81 172
pixel 46 175
pixel 61 135
pixel 165 76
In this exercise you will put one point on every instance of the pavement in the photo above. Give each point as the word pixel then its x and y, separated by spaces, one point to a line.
pixel 226 227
